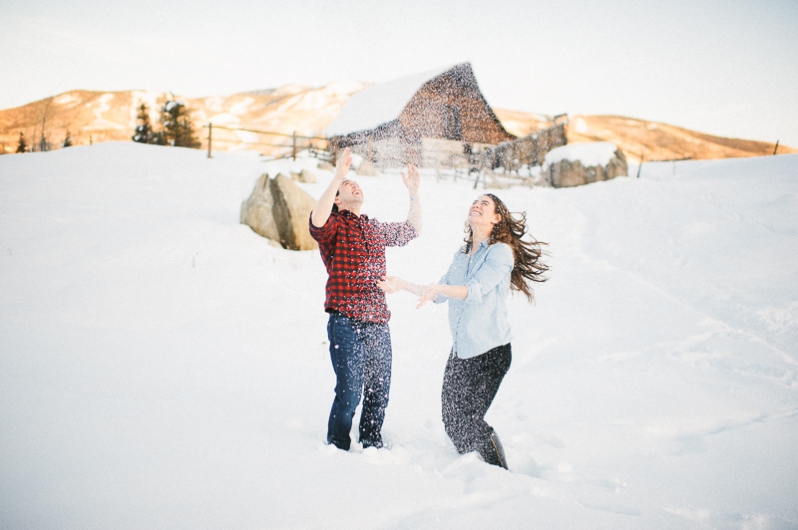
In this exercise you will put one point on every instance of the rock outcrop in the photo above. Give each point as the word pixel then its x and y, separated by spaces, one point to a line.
pixel 577 164
pixel 305 176
pixel 279 210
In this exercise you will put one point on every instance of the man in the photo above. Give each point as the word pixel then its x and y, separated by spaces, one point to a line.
pixel 352 247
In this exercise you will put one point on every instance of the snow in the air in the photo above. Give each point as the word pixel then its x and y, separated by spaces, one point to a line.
pixel 162 366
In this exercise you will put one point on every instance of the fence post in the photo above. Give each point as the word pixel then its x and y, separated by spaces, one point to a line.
pixel 293 141
pixel 210 135
pixel 642 157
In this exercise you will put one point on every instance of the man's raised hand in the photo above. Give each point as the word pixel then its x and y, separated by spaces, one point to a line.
pixel 412 179
pixel 343 163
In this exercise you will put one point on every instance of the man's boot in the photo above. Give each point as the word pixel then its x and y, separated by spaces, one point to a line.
pixel 492 451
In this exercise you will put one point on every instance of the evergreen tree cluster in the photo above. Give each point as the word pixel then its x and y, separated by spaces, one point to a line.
pixel 177 129
pixel 44 144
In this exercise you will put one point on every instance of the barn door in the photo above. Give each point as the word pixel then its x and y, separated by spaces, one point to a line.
pixel 452 124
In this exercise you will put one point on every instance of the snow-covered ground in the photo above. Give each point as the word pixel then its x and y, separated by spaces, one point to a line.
pixel 162 366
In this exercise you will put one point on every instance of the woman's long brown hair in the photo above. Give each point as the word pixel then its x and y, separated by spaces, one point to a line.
pixel 527 253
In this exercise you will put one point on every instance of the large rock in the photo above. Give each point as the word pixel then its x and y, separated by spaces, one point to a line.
pixel 279 210
pixel 583 163
pixel 256 211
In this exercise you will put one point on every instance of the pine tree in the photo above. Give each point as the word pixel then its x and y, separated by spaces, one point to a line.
pixel 159 138
pixel 22 146
pixel 178 128
pixel 144 133
pixel 188 137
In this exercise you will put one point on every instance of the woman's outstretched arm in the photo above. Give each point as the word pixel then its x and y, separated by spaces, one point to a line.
pixel 432 291
pixel 394 284
pixel 426 293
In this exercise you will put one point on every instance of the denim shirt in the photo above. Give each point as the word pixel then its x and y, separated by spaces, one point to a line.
pixel 479 323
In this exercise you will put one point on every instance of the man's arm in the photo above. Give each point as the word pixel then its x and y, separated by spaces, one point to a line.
pixel 412 180
pixel 323 208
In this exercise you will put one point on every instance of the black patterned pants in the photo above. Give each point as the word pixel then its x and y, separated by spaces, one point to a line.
pixel 469 386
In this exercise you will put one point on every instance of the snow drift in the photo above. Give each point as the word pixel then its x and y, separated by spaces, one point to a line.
pixel 162 366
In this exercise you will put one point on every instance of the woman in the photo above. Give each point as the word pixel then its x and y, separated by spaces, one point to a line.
pixel 494 260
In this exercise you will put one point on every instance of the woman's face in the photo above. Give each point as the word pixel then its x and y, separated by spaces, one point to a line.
pixel 482 214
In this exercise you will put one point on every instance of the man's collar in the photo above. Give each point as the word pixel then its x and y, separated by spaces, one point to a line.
pixel 348 213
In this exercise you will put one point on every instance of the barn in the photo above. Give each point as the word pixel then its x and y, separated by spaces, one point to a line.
pixel 431 119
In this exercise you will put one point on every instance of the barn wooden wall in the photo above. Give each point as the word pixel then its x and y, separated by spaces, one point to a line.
pixel 451 107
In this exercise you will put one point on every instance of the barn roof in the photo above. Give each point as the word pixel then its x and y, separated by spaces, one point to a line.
pixel 379 104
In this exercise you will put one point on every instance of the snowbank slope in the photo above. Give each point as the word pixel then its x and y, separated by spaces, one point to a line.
pixel 163 366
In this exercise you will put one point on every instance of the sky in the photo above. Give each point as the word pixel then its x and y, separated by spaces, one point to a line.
pixel 720 67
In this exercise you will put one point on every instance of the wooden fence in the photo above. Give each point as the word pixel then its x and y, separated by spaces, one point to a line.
pixel 510 156
pixel 316 145
pixel 489 164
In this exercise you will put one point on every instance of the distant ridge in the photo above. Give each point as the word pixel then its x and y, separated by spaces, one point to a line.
pixel 262 92
pixel 643 139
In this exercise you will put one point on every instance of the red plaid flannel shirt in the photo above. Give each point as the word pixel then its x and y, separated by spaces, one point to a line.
pixel 353 251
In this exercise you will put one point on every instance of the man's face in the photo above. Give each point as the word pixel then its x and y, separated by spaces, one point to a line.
pixel 349 194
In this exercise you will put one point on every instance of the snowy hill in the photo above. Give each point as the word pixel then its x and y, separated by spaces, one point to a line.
pixel 162 366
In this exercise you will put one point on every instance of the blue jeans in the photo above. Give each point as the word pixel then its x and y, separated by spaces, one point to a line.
pixel 361 357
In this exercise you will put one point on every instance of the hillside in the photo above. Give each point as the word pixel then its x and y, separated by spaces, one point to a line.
pixel 640 138
pixel 95 117
pixel 163 366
